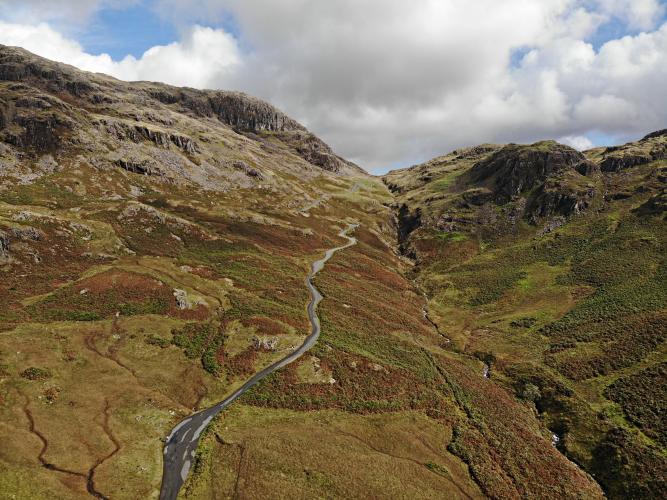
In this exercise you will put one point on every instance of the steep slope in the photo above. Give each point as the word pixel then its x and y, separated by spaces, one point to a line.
pixel 549 265
pixel 214 140
pixel 154 243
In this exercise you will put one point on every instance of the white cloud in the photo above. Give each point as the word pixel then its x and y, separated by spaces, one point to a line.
pixel 203 56
pixel 579 142
pixel 638 14
pixel 67 13
pixel 386 82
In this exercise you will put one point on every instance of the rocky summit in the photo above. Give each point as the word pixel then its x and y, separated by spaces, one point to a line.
pixel 200 299
pixel 174 135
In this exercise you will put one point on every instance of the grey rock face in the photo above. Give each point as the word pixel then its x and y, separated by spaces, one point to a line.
pixel 39 133
pixel 48 107
pixel 622 162
pixel 4 245
pixel 244 112
pixel 28 233
pixel 247 169
pixel 137 168
pixel 516 169
pixel 316 152
pixel 264 343
pixel 547 203
pixel 651 148
pixel 19 65
pixel 587 168
pixel 238 110
pixel 137 133
pixel 182 301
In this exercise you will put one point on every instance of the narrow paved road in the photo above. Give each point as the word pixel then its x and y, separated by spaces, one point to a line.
pixel 181 445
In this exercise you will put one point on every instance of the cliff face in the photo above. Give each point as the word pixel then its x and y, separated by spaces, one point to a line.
pixel 516 169
pixel 549 175
pixel 492 190
pixel 178 134
pixel 236 109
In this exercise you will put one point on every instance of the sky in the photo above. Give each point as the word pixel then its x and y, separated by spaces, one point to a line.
pixel 387 83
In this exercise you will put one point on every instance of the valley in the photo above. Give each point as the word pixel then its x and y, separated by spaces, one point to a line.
pixel 165 252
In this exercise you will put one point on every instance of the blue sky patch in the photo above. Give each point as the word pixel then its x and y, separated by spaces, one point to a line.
pixel 131 30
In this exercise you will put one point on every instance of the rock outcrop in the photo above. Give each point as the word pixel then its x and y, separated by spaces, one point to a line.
pixel 28 233
pixel 650 148
pixel 316 152
pixel 656 134
pixel 247 169
pixel 139 132
pixel 618 162
pixel 19 65
pixel 182 301
pixel 547 174
pixel 516 169
pixel 264 343
pixel 548 202
pixel 48 107
pixel 656 205
pixel 4 246
pixel 406 222
pixel 236 109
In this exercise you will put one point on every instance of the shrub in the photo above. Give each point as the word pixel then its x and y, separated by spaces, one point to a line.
pixel 157 341
pixel 34 373
pixel 203 341
pixel 523 322
pixel 531 393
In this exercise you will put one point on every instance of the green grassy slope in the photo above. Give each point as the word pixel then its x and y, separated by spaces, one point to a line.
pixel 561 286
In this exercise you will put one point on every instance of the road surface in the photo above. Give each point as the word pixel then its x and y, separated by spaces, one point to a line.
pixel 181 445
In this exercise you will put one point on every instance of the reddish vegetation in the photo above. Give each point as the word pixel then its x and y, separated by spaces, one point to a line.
pixel 361 387
pixel 366 237
pixel 206 273
pixel 104 294
pixel 53 259
pixel 277 240
pixel 264 325
pixel 131 286
pixel 243 364
pixel 446 253
pixel 502 444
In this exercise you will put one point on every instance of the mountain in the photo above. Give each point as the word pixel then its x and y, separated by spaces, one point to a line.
pixel 213 140
pixel 154 248
pixel 550 265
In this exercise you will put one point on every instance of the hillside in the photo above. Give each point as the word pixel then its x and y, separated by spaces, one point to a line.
pixel 154 246
pixel 549 265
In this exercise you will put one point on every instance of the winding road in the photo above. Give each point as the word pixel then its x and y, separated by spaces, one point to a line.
pixel 181 445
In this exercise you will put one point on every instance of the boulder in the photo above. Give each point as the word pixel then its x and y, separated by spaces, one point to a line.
pixel 264 343
pixel 247 169
pixel 182 301
pixel 28 233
